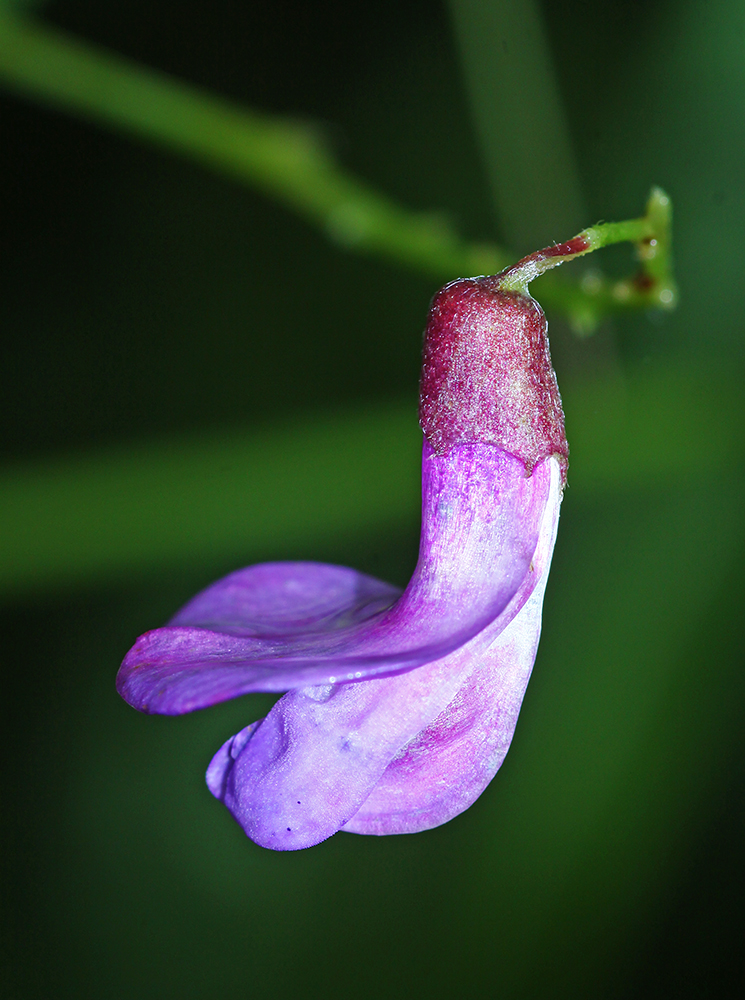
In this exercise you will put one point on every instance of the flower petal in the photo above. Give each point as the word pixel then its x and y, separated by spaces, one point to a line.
pixel 480 521
pixel 282 600
pixel 445 768
pixel 221 764
pixel 313 765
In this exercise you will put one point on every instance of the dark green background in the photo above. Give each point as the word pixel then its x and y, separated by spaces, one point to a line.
pixel 142 296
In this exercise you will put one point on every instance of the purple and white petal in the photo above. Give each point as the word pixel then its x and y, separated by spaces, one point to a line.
pixel 285 600
pixel 447 765
pixel 269 629
pixel 315 763
pixel 311 763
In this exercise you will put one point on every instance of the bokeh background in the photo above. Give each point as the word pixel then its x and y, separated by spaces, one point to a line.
pixel 180 349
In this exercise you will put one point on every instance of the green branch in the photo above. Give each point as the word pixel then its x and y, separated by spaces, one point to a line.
pixel 284 159
pixel 222 498
pixel 652 286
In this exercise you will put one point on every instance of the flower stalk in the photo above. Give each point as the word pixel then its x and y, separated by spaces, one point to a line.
pixel 653 286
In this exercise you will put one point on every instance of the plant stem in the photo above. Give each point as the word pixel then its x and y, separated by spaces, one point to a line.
pixel 284 159
pixel 652 286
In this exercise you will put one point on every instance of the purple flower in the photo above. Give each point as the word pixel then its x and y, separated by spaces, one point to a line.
pixel 400 707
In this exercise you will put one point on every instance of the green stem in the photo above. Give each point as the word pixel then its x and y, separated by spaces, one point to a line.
pixel 652 286
pixel 284 159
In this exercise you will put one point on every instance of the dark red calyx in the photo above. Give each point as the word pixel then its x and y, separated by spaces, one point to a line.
pixel 487 375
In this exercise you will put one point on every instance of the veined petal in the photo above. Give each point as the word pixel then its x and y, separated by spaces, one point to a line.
pixel 315 763
pixel 445 768
pixel 273 629
pixel 286 600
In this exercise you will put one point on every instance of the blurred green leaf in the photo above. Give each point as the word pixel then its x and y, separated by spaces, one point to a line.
pixel 283 158
pixel 290 161
pixel 245 492
pixel 517 110
pixel 237 492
